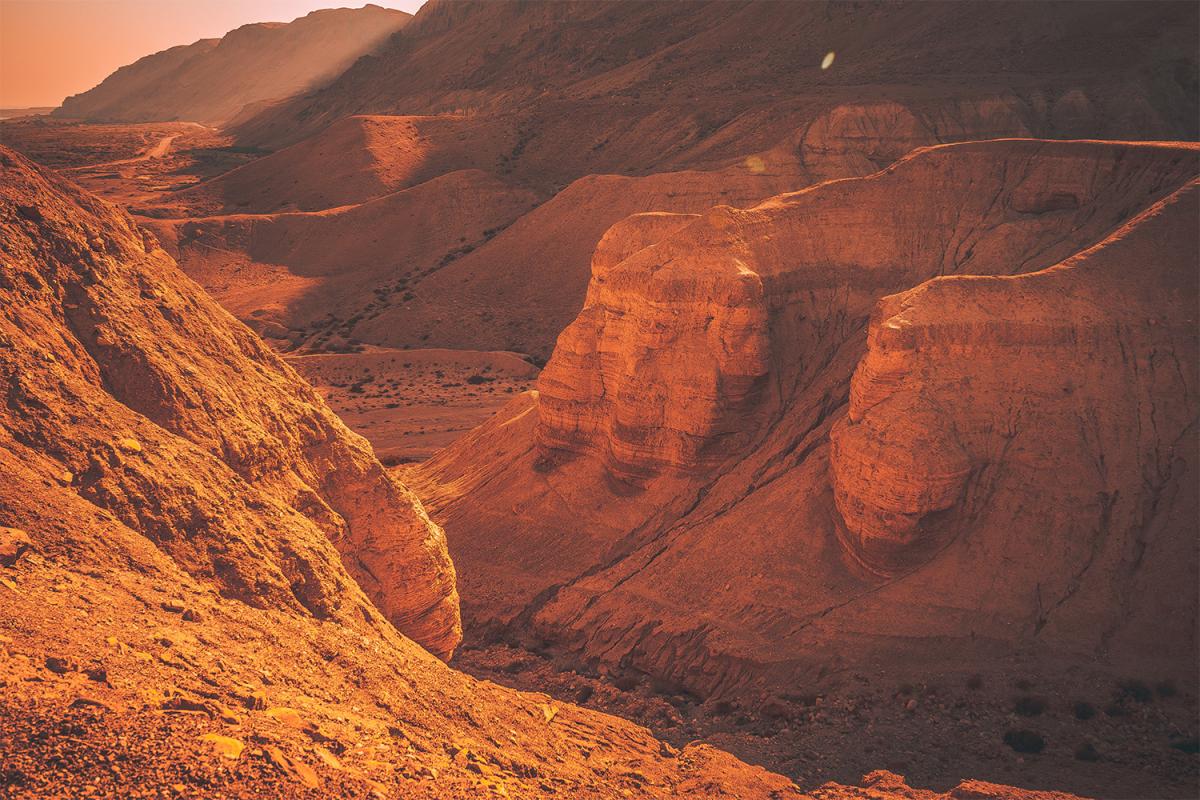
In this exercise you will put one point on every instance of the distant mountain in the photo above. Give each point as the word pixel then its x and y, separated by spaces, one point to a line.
pixel 651 79
pixel 212 80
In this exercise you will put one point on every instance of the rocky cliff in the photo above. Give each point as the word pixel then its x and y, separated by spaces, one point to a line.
pixel 670 364
pixel 195 555
pixel 186 428
pixel 691 403
pixel 752 465
pixel 987 406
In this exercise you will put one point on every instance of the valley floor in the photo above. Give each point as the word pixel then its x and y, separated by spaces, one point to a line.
pixel 1103 737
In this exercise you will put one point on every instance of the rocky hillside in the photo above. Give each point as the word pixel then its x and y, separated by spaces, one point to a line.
pixel 212 80
pixel 750 462
pixel 669 110
pixel 668 82
pixel 184 523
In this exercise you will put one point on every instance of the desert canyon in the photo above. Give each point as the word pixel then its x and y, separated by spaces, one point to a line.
pixel 613 399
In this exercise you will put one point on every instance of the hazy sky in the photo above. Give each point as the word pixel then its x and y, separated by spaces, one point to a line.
pixel 53 48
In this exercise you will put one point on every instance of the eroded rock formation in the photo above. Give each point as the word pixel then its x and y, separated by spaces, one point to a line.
pixel 184 426
pixel 186 529
pixel 665 502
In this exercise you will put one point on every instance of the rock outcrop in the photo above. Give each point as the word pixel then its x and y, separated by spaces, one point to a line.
pixel 1060 404
pixel 184 426
pixel 212 80
pixel 189 528
pixel 669 363
pixel 665 501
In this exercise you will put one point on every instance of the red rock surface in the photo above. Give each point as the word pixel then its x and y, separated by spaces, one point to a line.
pixel 601 515
pixel 170 393
pixel 175 617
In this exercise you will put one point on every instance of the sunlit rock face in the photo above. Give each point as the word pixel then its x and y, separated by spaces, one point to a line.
pixel 1034 403
pixel 692 322
pixel 185 426
pixel 667 357
pixel 757 377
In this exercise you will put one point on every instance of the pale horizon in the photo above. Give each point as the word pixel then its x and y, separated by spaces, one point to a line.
pixel 51 49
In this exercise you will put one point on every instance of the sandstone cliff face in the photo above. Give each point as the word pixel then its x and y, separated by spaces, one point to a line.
pixel 662 359
pixel 857 139
pixel 185 427
pixel 670 502
pixel 668 362
pixel 184 523
pixel 1037 404
pixel 212 80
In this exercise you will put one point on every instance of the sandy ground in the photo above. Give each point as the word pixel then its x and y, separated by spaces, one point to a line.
pixel 411 403
pixel 130 164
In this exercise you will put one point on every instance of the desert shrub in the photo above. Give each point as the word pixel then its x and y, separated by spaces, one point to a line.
pixel 1024 684
pixel 1132 689
pixel 1087 752
pixel 1190 745
pixel 1029 706
pixel 1166 689
pixel 975 682
pixel 626 683
pixel 1084 711
pixel 1024 741
pixel 584 694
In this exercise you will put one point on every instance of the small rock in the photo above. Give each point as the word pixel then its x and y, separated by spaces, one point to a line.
pixel 14 542
pixel 129 445
pixel 251 698
pixel 288 716
pixel 226 746
pixel 87 701
pixel 329 758
pixel 60 666
pixel 173 605
pixel 187 704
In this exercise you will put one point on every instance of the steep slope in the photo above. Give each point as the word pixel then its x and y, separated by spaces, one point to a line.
pixel 174 502
pixel 320 276
pixel 669 83
pixel 647 117
pixel 175 614
pixel 664 502
pixel 212 80
pixel 191 431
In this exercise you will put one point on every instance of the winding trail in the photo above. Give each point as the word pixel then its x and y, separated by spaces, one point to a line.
pixel 160 149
